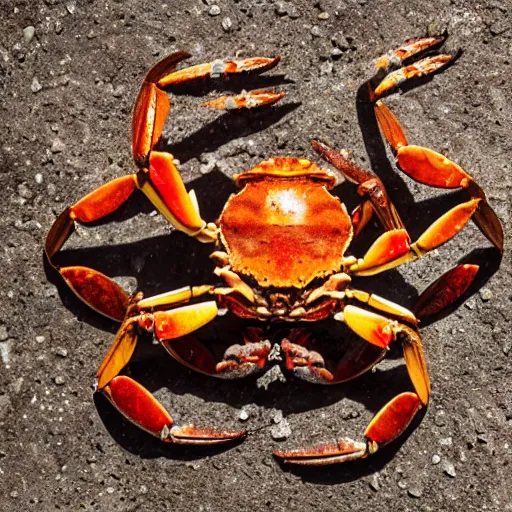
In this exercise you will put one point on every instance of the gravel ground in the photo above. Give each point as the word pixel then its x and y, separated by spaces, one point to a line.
pixel 70 71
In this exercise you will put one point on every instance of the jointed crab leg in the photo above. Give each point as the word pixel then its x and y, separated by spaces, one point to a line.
pixel 392 248
pixel 445 290
pixel 132 399
pixel 217 69
pixel 434 169
pixel 393 419
pixel 94 288
pixel 370 187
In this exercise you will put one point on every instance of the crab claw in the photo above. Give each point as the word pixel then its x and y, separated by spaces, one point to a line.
pixel 306 364
pixel 243 360
pixel 389 423
pixel 138 405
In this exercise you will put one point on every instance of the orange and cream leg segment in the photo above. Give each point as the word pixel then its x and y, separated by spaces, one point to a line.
pixel 393 248
pixel 431 168
pixel 134 401
pixel 158 176
pixel 394 418
pixel 381 304
pixel 382 85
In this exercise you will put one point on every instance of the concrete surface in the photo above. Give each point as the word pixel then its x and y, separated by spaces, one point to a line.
pixel 68 87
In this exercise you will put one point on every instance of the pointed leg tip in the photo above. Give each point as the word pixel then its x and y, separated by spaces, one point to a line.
pixel 192 435
pixel 343 451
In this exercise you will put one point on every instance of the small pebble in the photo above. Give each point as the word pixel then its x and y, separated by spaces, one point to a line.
pixel 281 9
pixel 59 380
pixel 449 468
pixel 326 68
pixel 58 146
pixel 481 438
pixel 71 7
pixel 402 484
pixel 24 191
pixel 278 417
pixel 3 333
pixel 35 86
pixel 445 441
pixel 214 10
pixel 227 24
pixel 244 415
pixel 62 352
pixel 323 16
pixel 436 459
pixel 439 419
pixel 336 53
pixel 293 12
pixel 28 33
pixel 486 294
pixel 118 91
pixel 315 31
pixel 281 431
pixel 415 490
pixel 40 339
pixel 39 178
pixel 341 42
pixel 374 483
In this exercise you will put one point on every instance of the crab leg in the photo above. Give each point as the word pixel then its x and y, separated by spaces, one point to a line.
pixel 434 169
pixel 392 248
pixel 246 99
pixel 370 187
pixel 445 291
pixel 388 76
pixel 133 400
pixel 94 288
pixel 158 176
pixel 394 418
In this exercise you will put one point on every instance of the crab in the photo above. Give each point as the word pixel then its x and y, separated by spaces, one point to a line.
pixel 282 257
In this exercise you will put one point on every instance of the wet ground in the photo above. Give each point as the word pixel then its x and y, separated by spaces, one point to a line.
pixel 70 72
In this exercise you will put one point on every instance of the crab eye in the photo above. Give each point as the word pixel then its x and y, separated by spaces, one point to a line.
pixel 317 364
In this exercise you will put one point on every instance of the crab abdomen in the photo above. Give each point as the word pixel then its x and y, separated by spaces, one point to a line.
pixel 285 232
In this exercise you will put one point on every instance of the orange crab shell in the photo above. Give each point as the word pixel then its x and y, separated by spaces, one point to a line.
pixel 284 228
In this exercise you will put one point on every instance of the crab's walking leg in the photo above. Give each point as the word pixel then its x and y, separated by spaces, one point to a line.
pixel 390 73
pixel 394 418
pixel 370 187
pixel 393 248
pixel 133 400
pixel 158 176
pixel 94 288
pixel 434 169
